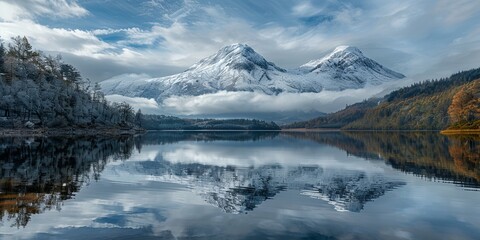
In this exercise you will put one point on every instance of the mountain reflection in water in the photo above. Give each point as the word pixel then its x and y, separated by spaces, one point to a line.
pixel 38 174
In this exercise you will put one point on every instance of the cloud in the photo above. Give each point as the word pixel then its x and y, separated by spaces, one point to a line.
pixel 258 105
pixel 148 106
pixel 420 33
pixel 224 102
pixel 78 42
pixel 305 9
pixel 11 10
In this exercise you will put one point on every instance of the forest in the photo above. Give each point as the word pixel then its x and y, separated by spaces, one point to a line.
pixel 452 103
pixel 40 90
pixel 161 122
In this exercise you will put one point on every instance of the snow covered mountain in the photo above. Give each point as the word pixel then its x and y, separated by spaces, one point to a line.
pixel 238 67
pixel 239 190
pixel 346 68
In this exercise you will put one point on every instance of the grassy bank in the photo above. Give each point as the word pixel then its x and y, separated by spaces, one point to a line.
pixel 460 131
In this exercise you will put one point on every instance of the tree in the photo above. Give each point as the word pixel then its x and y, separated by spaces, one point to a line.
pixel 23 60
pixel 126 112
pixel 21 48
pixel 138 118
pixel 97 93
pixel 71 75
pixel 465 104
pixel 2 57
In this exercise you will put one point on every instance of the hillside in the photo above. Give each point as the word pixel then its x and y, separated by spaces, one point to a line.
pixel 39 91
pixel 338 119
pixel 422 106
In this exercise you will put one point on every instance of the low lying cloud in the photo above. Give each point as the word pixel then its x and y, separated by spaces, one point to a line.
pixel 258 105
pixel 149 106
pixel 224 102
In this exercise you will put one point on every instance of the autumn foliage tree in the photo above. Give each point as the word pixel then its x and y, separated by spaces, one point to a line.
pixel 465 108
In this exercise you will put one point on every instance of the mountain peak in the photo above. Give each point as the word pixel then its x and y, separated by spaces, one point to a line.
pixel 340 52
pixel 240 50
pixel 237 47
pixel 347 49
pixel 237 56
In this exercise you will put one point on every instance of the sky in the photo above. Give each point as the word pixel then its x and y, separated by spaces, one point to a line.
pixel 153 38
pixel 106 38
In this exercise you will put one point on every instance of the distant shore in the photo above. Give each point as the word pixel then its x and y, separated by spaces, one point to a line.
pixel 310 130
pixel 101 131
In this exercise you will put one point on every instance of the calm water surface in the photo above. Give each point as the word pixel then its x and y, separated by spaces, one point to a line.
pixel 241 185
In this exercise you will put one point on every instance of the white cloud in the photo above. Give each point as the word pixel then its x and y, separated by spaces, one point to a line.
pixel 457 12
pixel 11 10
pixel 251 102
pixel 305 9
pixel 148 106
pixel 225 103
pixel 255 104
pixel 78 42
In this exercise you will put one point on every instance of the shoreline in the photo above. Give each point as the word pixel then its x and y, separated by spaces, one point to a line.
pixel 49 132
pixel 310 130
pixel 354 130
pixel 105 131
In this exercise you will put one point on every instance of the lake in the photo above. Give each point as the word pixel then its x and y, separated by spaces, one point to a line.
pixel 241 185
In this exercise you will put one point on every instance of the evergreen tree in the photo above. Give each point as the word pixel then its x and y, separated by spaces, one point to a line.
pixel 2 57
pixel 138 118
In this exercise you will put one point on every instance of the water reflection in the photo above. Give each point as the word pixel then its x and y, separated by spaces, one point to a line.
pixel 233 171
pixel 240 189
pixel 426 154
pixel 37 174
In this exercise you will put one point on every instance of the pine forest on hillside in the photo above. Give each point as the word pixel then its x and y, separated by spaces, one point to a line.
pixel 41 90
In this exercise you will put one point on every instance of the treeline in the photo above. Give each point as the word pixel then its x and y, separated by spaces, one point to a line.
pixel 430 105
pixel 161 122
pixel 39 90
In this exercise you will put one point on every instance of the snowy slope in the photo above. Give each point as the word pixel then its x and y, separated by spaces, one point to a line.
pixel 239 68
pixel 347 68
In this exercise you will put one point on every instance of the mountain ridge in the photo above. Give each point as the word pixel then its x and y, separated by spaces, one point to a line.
pixel 238 67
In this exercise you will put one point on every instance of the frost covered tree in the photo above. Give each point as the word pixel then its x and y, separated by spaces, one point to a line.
pixel 2 57
pixel 45 90
pixel 138 118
